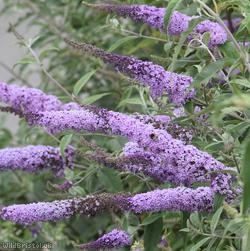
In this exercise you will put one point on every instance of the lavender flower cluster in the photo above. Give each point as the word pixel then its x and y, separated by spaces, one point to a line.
pixel 149 74
pixel 154 17
pixel 174 199
pixel 27 100
pixel 31 100
pixel 36 158
pixel 58 210
pixel 164 122
pixel 171 160
pixel 114 239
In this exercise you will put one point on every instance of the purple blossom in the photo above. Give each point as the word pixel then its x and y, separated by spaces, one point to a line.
pixel 27 214
pixel 178 23
pixel 65 186
pixel 147 73
pixel 32 100
pixel 217 33
pixel 154 17
pixel 27 100
pixel 77 120
pixel 70 106
pixel 177 162
pixel 158 121
pixel 163 243
pixel 173 199
pixel 36 158
pixel 114 239
pixel 165 123
pixel 157 167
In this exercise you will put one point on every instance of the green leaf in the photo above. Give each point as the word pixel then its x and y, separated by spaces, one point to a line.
pixel 120 42
pixel 150 219
pixel 195 219
pixel 31 41
pixel 5 137
pixel 243 82
pixel 246 178
pixel 208 72
pixel 206 38
pixel 152 235
pixel 47 52
pixel 77 190
pixel 25 60
pixel 215 219
pixel 185 230
pixel 65 141
pixel 246 238
pixel 82 82
pixel 92 99
pixel 218 200
pixel 172 5
pixel 130 101
pixel 200 244
pixel 110 180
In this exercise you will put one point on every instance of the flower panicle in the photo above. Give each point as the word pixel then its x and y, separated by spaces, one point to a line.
pixel 173 199
pixel 36 158
pixel 160 81
pixel 154 17
pixel 115 239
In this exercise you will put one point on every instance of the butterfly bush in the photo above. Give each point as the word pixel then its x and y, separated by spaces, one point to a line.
pixel 173 199
pixel 114 239
pixel 157 146
pixel 149 74
pixel 154 17
pixel 191 163
pixel 36 158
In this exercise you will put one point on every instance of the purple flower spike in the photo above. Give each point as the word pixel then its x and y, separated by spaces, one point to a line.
pixel 76 120
pixel 114 239
pixel 151 15
pixel 31 100
pixel 36 158
pixel 217 33
pixel 178 23
pixel 173 199
pixel 154 17
pixel 27 214
pixel 147 73
pixel 27 100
